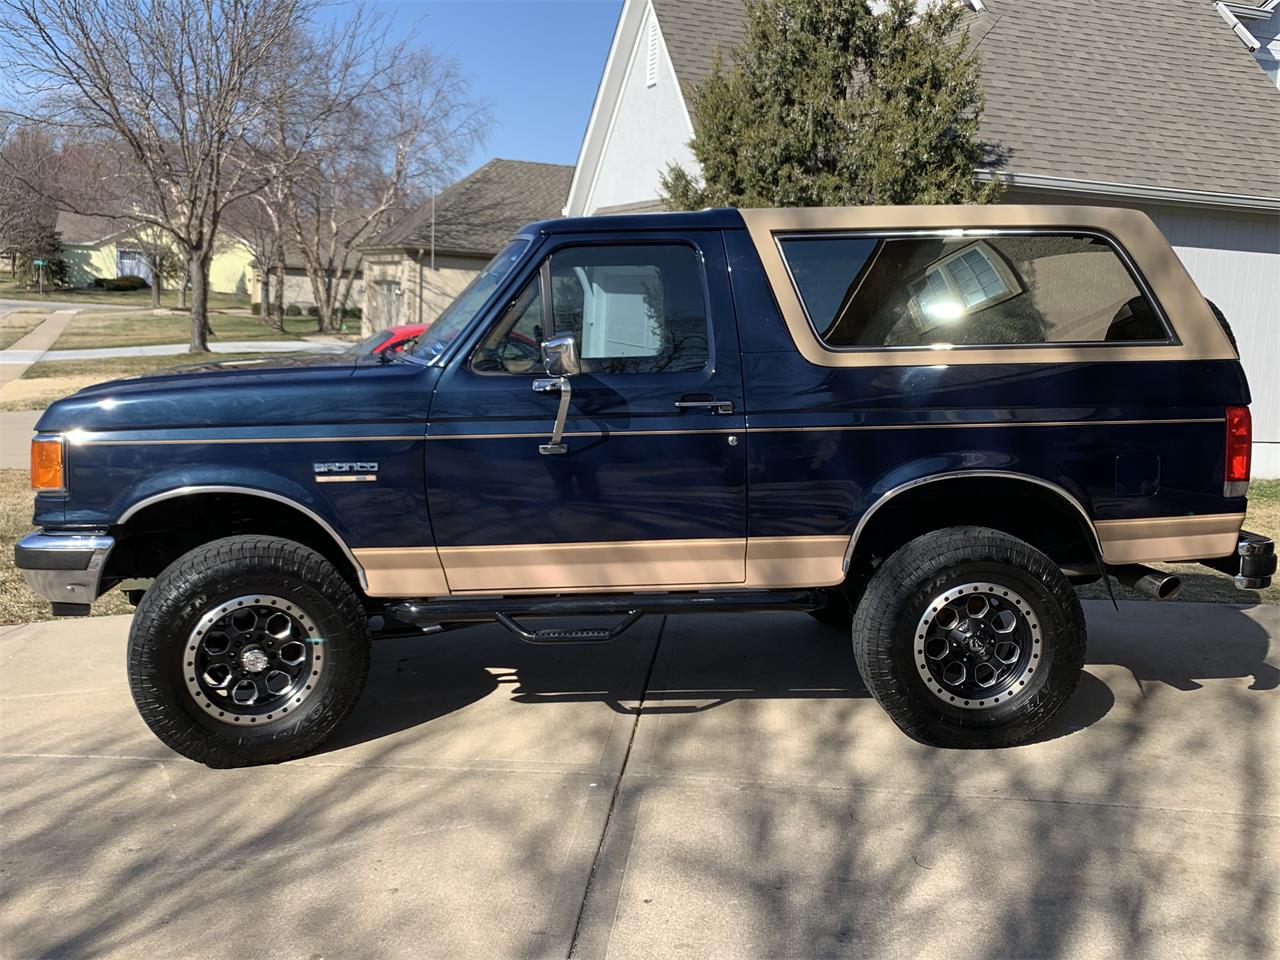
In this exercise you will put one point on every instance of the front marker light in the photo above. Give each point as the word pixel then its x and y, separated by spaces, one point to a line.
pixel 46 465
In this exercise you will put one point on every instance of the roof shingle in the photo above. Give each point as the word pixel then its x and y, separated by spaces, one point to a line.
pixel 480 212
pixel 1111 91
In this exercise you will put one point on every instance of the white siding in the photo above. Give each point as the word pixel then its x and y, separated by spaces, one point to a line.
pixel 648 130
pixel 1235 260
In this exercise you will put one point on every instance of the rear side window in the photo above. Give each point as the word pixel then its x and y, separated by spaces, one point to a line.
pixel 867 292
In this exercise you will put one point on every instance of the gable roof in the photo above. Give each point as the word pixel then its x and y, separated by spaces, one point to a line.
pixel 1118 92
pixel 479 213
pixel 79 228
pixel 694 30
pixel 1108 92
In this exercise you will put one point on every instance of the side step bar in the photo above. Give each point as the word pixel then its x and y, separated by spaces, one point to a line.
pixel 425 614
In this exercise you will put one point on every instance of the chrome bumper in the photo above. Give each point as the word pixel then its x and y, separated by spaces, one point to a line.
pixel 1252 565
pixel 64 568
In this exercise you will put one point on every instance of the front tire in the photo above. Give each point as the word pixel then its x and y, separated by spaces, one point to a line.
pixel 247 650
pixel 969 637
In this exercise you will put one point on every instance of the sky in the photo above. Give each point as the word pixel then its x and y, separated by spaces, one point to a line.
pixel 536 62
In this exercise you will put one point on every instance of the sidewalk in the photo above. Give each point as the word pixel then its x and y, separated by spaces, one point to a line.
pixel 30 348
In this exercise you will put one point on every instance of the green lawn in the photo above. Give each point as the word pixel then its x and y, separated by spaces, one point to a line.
pixel 43 383
pixel 141 298
pixel 91 330
pixel 14 326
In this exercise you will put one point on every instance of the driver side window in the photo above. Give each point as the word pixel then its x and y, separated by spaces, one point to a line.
pixel 632 308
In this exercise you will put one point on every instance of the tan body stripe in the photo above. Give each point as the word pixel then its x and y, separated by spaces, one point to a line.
pixel 604 566
pixel 1168 538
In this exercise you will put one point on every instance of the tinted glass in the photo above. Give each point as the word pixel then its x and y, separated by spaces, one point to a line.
pixel 918 291
pixel 636 308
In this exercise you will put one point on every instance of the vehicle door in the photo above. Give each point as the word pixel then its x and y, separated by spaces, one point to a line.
pixel 645 484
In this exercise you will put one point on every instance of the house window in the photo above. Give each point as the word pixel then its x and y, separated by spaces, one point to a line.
pixel 937 290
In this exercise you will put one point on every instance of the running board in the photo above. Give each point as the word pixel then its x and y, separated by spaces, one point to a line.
pixel 580 635
pixel 453 612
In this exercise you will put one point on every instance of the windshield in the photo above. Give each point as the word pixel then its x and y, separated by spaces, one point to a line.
pixel 370 343
pixel 459 314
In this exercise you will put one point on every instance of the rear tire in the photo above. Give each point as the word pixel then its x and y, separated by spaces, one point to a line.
pixel 247 650
pixel 969 637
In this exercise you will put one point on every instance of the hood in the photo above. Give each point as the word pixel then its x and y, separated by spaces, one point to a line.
pixel 273 389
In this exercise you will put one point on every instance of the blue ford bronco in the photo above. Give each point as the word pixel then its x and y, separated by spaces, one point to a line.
pixel 921 425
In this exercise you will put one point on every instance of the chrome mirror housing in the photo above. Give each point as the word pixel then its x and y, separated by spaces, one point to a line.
pixel 560 357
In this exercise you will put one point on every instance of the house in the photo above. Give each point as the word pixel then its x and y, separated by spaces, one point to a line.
pixel 1172 108
pixel 105 247
pixel 297 284
pixel 414 269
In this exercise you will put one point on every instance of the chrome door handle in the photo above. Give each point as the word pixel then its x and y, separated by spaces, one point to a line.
pixel 715 406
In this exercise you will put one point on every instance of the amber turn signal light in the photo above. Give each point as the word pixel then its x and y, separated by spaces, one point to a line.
pixel 46 464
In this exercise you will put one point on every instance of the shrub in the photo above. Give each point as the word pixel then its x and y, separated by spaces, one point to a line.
pixel 98 282
pixel 255 309
pixel 293 310
pixel 353 313
pixel 313 311
pixel 127 282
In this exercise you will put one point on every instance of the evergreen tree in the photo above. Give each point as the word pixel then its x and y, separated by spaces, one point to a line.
pixel 829 104
pixel 39 241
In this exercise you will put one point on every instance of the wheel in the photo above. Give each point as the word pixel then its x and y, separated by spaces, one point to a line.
pixel 838 613
pixel 969 637
pixel 247 650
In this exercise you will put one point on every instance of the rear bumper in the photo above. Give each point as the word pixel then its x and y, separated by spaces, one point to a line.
pixel 64 568
pixel 1252 565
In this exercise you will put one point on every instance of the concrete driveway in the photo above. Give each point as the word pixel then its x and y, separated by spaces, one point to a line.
pixel 711 786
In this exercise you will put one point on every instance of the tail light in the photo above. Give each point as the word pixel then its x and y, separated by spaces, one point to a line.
pixel 46 465
pixel 1239 450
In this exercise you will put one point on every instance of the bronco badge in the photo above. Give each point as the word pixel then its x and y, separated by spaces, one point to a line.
pixel 346 471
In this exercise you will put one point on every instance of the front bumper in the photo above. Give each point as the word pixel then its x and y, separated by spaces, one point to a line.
pixel 1252 565
pixel 64 568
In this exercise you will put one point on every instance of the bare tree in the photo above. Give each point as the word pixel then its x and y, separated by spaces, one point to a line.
pixel 167 92
pixel 28 158
pixel 371 155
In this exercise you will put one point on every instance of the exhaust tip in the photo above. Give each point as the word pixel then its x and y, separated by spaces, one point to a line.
pixel 1148 582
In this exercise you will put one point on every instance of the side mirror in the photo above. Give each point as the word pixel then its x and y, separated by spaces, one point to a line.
pixel 560 357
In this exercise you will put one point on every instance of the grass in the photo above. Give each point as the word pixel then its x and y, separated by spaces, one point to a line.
pixel 14 326
pixel 17 603
pixel 9 290
pixel 1204 585
pixel 94 330
pixel 43 383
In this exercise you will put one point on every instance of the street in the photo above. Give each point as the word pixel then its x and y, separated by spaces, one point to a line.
pixel 705 786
